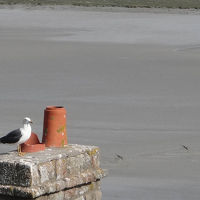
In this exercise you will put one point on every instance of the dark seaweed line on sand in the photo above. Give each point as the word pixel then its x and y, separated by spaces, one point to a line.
pixel 182 4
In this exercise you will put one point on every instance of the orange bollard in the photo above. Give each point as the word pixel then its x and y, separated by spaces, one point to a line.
pixel 55 126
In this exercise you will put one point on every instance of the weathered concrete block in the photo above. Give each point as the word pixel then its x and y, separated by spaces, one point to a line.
pixel 49 171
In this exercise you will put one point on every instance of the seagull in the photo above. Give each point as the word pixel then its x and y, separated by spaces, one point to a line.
pixel 18 136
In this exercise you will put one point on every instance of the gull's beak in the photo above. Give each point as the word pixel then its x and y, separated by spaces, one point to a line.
pixel 31 122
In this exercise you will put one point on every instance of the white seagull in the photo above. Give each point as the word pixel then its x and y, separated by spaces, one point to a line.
pixel 18 136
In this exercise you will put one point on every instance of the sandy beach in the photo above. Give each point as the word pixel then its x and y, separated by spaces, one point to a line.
pixel 129 80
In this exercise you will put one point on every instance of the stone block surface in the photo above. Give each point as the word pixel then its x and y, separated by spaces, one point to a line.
pixel 49 171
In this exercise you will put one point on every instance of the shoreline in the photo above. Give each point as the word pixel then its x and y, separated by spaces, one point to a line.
pixel 103 9
pixel 180 4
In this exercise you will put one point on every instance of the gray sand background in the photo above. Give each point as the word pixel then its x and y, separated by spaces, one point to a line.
pixel 130 80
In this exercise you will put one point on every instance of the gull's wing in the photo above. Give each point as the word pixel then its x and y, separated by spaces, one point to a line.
pixel 11 137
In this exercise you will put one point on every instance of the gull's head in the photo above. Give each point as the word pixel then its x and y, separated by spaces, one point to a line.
pixel 27 120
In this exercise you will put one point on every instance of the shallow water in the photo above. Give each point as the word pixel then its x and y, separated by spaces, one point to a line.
pixel 130 83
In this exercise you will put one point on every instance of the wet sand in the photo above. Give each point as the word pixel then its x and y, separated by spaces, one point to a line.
pixel 129 80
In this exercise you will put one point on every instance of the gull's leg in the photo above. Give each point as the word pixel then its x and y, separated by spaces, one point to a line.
pixel 20 153
pixel 19 150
